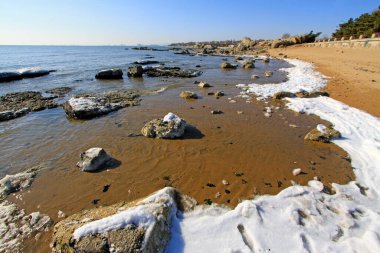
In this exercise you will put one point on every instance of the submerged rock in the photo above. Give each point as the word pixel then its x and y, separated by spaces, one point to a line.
pixel 93 159
pixel 17 104
pixel 188 95
pixel 170 127
pixel 60 91
pixel 203 84
pixel 88 106
pixel 9 76
pixel 323 134
pixel 34 72
pixel 171 72
pixel 146 62
pixel 140 226
pixel 110 74
pixel 135 71
pixel 248 65
pixel 227 65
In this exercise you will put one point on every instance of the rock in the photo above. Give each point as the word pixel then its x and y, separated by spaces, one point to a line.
pixel 266 60
pixel 34 72
pixel 88 106
pixel 296 172
pixel 135 71
pixel 203 84
pixel 225 182
pixel 227 65
pixel 248 65
pixel 139 226
pixel 188 95
pixel 171 72
pixel 305 94
pixel 216 112
pixel 61 214
pixel 110 74
pixel 219 94
pixel 170 127
pixel 94 159
pixel 322 134
pixel 283 94
pixel 14 183
pixel 60 91
pixel 268 73
pixel 254 77
pixel 9 76
pixel 18 104
pixel 146 62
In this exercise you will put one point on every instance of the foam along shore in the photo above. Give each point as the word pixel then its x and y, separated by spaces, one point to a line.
pixel 300 218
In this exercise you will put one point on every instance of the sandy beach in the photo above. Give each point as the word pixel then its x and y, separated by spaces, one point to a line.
pixel 354 73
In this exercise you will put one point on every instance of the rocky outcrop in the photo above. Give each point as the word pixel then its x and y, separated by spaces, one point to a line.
pixel 88 106
pixel 94 159
pixel 171 72
pixel 17 104
pixel 141 226
pixel 188 95
pixel 9 76
pixel 322 133
pixel 227 65
pixel 169 127
pixel 135 71
pixel 110 74
pixel 60 91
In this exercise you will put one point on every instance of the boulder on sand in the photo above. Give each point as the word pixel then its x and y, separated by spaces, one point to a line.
pixel 169 127
pixel 94 159
pixel 188 95
pixel 110 74
pixel 88 106
pixel 322 133
pixel 142 226
pixel 135 71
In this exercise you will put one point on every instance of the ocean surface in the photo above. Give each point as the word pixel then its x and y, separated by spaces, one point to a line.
pixel 24 139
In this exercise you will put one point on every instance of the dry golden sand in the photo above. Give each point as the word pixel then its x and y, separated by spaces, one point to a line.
pixel 354 73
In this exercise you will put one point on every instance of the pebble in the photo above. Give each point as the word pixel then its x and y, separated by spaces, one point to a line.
pixel 267 114
pixel 216 112
pixel 297 171
pixel 232 101
pixel 225 182
pixel 217 195
pixel 61 214
pixel 240 112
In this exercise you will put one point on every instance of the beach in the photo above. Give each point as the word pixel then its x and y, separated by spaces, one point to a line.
pixel 354 73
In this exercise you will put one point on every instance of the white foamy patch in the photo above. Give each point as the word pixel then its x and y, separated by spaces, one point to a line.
pixel 300 77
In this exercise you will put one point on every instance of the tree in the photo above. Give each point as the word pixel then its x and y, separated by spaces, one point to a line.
pixel 286 36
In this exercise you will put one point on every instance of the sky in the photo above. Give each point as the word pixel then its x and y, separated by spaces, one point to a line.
pixel 131 22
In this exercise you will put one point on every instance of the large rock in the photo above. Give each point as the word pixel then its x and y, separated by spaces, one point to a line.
pixel 170 127
pixel 9 76
pixel 94 159
pixel 227 65
pixel 322 133
pixel 17 104
pixel 135 71
pixel 188 95
pixel 88 106
pixel 110 74
pixel 141 226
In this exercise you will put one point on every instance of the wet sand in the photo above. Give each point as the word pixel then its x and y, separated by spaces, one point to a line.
pixel 255 154
pixel 354 72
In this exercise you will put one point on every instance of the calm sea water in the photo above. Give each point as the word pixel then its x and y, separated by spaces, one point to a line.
pixel 23 140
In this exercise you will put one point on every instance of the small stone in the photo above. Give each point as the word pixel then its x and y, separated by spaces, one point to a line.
pixel 267 114
pixel 297 171
pixel 203 84
pixel 219 94
pixel 93 159
pixel 216 112
pixel 188 95
pixel 225 182
pixel 253 77
pixel 239 112
pixel 217 195
pixel 61 214
pixel 268 73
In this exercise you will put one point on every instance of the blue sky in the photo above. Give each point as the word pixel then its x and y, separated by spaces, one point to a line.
pixel 111 22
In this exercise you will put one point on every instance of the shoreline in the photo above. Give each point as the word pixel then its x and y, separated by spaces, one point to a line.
pixel 351 72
